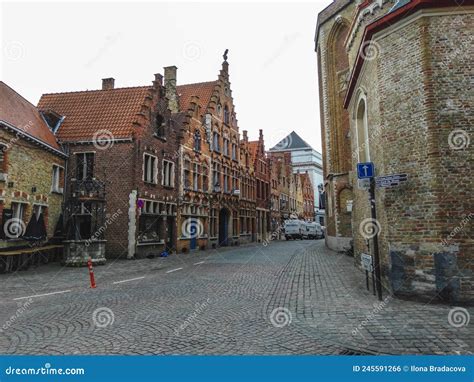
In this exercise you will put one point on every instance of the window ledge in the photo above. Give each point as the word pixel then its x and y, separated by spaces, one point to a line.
pixel 150 242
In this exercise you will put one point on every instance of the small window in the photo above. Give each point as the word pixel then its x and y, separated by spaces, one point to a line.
pixel 226 147
pixel 168 174
pixel 226 115
pixel 215 142
pixel 150 168
pixel 84 166
pixel 197 141
pixel 187 174
pixel 58 179
pixel 16 229
pixel 3 158
pixel 160 126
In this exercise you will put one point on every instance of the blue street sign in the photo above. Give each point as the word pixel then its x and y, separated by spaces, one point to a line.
pixel 365 170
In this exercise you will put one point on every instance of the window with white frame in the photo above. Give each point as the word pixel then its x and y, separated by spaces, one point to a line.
pixel 84 166
pixel 16 228
pixel 150 168
pixel 57 181
pixel 168 174
pixel 196 176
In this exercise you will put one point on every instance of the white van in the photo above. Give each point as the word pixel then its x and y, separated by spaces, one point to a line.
pixel 309 231
pixel 312 231
pixel 294 229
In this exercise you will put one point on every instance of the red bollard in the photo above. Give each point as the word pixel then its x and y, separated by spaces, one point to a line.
pixel 91 273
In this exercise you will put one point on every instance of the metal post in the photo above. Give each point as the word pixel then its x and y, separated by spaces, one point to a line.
pixel 373 211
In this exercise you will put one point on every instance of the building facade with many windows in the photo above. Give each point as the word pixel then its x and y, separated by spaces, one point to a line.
pixel 121 183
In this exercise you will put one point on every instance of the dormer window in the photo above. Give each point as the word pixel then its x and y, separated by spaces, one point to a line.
pixel 160 126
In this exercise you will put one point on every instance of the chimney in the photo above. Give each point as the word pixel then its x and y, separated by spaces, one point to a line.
pixel 108 83
pixel 260 135
pixel 244 134
pixel 159 79
pixel 170 85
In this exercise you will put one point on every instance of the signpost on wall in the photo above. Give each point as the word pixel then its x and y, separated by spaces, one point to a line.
pixel 367 171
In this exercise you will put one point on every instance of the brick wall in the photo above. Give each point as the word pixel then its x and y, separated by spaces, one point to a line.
pixel 29 166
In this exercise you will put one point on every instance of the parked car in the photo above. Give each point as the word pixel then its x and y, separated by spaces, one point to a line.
pixel 294 229
pixel 323 228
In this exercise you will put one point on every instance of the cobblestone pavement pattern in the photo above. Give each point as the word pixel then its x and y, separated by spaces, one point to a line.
pixel 292 297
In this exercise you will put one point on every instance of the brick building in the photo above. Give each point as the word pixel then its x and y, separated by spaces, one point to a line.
pixel 31 177
pixel 248 209
pixel 213 214
pixel 308 197
pixel 393 76
pixel 122 146
pixel 305 159
pixel 263 192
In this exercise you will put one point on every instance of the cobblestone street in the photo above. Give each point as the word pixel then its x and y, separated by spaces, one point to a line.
pixel 293 297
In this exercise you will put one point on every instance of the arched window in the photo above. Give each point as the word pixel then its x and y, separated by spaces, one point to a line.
pixel 362 132
pixel 197 141
pixel 226 115
pixel 160 126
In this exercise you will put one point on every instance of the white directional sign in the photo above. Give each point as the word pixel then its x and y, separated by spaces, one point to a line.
pixel 363 184
pixel 388 181
pixel 366 262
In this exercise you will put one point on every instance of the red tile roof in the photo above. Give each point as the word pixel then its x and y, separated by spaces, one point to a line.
pixel 87 112
pixel 203 90
pixel 17 111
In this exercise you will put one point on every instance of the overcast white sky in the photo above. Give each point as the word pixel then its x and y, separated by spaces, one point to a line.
pixel 54 47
